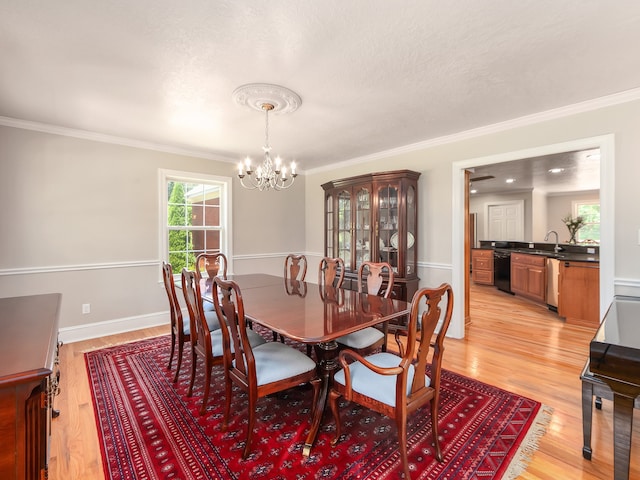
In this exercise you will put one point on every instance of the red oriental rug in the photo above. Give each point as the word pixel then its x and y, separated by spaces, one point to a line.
pixel 149 429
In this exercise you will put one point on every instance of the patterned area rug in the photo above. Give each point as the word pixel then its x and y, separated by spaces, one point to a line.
pixel 150 429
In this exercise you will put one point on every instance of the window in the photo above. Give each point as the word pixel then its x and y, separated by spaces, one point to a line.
pixel 195 217
pixel 590 212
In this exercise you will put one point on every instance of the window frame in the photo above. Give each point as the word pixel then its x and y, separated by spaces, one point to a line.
pixel 226 234
pixel 576 212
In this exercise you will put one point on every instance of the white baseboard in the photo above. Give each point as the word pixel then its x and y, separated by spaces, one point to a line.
pixel 111 327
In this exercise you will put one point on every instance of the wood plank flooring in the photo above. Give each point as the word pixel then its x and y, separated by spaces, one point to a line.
pixel 511 343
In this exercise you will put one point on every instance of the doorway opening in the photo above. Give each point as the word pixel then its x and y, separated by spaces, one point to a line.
pixel 460 278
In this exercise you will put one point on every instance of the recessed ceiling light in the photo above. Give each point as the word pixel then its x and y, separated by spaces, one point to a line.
pixel 593 156
pixel 556 170
pixel 474 191
pixel 510 180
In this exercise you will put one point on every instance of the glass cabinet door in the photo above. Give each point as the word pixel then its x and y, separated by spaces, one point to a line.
pixel 412 216
pixel 344 226
pixel 362 227
pixel 329 226
pixel 388 225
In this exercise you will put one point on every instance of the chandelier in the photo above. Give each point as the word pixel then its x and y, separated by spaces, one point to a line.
pixel 271 173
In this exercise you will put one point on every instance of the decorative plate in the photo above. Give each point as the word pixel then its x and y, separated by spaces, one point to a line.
pixel 394 240
pixel 382 245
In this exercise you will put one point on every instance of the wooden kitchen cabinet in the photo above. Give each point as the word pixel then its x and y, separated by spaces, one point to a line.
pixel 482 266
pixel 529 276
pixel 579 292
pixel 28 358
pixel 374 217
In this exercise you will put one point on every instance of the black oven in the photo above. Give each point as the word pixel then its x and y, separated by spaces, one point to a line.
pixel 502 269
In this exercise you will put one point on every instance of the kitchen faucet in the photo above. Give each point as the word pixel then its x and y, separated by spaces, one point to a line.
pixel 557 248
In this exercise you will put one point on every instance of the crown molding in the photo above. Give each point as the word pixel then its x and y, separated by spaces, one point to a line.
pixel 582 107
pixel 112 139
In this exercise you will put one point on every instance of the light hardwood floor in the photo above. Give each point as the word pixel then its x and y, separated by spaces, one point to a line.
pixel 511 343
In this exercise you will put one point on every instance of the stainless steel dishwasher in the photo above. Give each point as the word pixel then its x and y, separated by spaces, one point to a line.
pixel 553 273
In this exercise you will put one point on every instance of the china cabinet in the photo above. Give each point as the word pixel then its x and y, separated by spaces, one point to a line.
pixel 374 217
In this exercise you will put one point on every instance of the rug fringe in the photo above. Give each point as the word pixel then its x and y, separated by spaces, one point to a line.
pixel 529 444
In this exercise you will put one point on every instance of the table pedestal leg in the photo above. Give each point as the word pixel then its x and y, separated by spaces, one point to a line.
pixel 327 354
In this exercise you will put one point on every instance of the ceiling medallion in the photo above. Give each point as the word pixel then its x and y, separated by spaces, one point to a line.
pixel 267 98
pixel 255 95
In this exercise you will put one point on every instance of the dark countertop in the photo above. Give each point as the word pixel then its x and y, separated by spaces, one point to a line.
pixel 573 253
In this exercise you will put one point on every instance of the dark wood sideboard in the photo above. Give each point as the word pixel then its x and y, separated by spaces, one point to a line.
pixel 28 358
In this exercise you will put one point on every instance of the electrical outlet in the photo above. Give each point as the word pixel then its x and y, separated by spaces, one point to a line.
pixel 493 244
pixel 591 250
pixel 86 308
pixel 531 245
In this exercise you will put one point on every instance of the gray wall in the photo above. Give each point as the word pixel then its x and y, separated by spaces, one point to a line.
pixel 81 217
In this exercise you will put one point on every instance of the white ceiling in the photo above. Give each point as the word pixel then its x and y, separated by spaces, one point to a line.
pixel 579 171
pixel 373 74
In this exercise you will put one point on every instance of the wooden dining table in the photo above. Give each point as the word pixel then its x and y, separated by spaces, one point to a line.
pixel 311 314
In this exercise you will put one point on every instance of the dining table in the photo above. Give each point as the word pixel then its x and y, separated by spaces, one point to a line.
pixel 311 314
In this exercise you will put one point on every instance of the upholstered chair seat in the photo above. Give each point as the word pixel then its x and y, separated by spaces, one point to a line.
pixel 374 385
pixel 276 361
pixel 362 338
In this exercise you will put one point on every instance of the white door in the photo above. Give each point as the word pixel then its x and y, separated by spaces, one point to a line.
pixel 506 221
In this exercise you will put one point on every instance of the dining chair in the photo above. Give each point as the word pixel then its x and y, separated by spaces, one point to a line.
pixel 371 279
pixel 180 332
pixel 212 263
pixel 295 267
pixel 295 270
pixel 331 272
pixel 205 344
pixel 398 384
pixel 208 265
pixel 180 326
pixel 259 370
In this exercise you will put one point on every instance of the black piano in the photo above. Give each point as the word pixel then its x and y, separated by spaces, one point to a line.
pixel 614 358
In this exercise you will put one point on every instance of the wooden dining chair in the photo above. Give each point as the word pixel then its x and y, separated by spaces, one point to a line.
pixel 397 385
pixel 180 330
pixel 295 267
pixel 208 265
pixel 331 272
pixel 205 344
pixel 181 324
pixel 371 279
pixel 295 270
pixel 259 370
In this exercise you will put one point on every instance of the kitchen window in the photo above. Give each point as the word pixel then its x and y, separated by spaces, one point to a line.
pixel 590 212
pixel 195 217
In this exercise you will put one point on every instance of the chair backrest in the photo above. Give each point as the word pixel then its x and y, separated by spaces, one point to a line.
pixel 331 272
pixel 295 267
pixel 174 305
pixel 420 332
pixel 200 334
pixel 372 276
pixel 239 361
pixel 213 264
